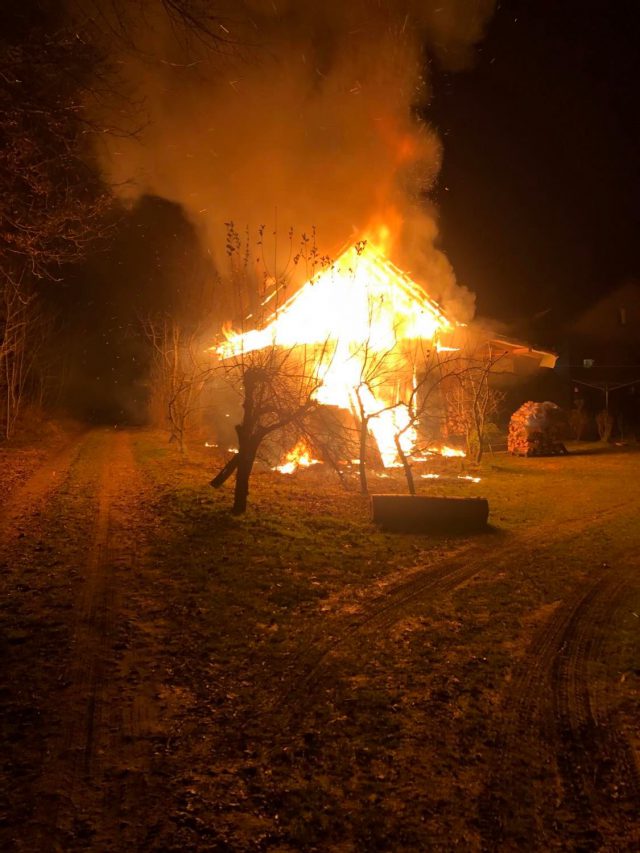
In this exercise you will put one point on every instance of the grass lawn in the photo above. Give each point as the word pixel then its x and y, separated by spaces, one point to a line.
pixel 339 688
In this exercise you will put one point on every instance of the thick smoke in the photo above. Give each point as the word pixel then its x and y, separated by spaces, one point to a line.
pixel 308 115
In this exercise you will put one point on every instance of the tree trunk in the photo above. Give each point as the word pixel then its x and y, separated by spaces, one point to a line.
pixel 226 472
pixel 408 473
pixel 479 430
pixel 364 432
pixel 246 457
pixel 480 417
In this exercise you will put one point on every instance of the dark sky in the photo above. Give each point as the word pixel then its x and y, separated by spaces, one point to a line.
pixel 539 193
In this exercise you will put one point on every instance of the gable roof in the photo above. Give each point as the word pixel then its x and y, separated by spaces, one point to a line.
pixel 361 297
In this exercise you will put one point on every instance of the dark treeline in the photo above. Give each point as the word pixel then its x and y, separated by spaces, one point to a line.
pixel 79 272
pixel 152 266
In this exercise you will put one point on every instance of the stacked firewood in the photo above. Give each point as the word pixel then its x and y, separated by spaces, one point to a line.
pixel 537 429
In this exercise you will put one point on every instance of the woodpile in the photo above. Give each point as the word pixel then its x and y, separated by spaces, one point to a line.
pixel 537 429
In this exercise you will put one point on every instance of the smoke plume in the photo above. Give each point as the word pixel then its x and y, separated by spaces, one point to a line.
pixel 307 114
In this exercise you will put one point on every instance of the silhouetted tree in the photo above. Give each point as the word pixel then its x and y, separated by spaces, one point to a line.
pixel 51 199
pixel 277 384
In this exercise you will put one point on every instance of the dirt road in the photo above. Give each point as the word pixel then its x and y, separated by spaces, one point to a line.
pixel 80 685
pixel 174 679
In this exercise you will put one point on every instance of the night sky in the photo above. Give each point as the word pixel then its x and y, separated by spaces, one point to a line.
pixel 540 186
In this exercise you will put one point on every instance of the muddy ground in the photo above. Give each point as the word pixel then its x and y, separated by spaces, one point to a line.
pixel 177 679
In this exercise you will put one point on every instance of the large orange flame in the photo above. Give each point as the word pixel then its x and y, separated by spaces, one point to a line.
pixel 359 311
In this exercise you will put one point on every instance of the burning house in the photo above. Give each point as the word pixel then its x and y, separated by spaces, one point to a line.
pixel 371 343
pixel 363 329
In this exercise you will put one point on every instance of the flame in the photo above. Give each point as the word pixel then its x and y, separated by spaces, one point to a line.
pixel 447 452
pixel 441 450
pixel 298 457
pixel 360 309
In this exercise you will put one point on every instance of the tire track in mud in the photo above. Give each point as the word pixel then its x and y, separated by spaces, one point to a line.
pixel 71 763
pixel 32 495
pixel 596 762
pixel 30 585
pixel 437 580
pixel 81 803
pixel 556 747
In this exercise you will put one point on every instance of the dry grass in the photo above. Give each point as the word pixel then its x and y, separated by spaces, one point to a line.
pixel 311 683
pixel 325 721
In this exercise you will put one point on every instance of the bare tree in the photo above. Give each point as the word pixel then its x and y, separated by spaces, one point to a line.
pixel 216 25
pixel 397 386
pixel 52 203
pixel 277 384
pixel 18 316
pixel 423 400
pixel 376 368
pixel 179 373
pixel 373 364
pixel 472 398
pixel 278 388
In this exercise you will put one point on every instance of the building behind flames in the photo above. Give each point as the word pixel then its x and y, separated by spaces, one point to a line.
pixel 600 360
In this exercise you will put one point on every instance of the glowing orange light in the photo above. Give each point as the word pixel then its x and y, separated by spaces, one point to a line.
pixel 298 457
pixel 447 452
pixel 360 307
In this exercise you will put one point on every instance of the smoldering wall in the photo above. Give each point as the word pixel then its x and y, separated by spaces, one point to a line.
pixel 302 114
